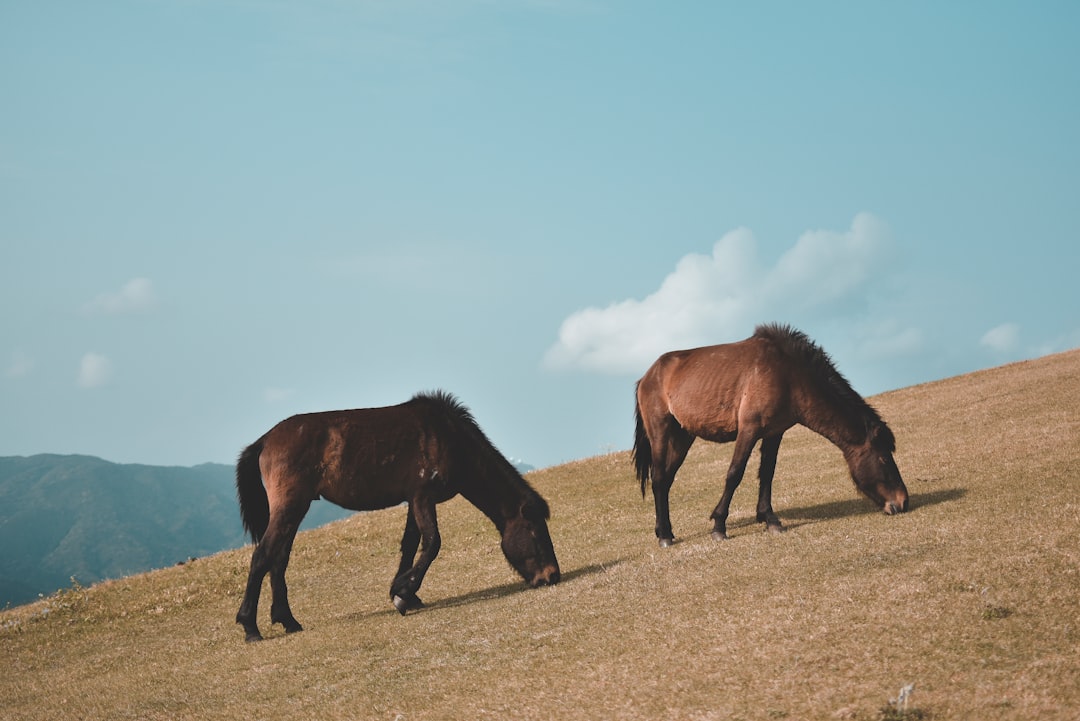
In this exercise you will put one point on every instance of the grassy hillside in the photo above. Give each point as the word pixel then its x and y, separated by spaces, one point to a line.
pixel 973 597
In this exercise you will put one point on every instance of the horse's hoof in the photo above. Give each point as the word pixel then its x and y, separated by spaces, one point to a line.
pixel 253 637
pixel 666 542
pixel 775 528
pixel 404 605
pixel 719 536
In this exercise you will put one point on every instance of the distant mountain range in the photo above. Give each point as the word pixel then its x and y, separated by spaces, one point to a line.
pixel 84 517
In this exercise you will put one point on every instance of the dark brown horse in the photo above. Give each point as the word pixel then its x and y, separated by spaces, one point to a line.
pixel 422 452
pixel 755 390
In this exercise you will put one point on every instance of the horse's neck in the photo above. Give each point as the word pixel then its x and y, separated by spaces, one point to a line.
pixel 839 425
pixel 491 498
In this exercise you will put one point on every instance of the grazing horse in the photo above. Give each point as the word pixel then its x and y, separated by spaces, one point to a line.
pixel 755 390
pixel 421 452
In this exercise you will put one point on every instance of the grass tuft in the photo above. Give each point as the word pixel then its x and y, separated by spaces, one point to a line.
pixel 990 613
pixel 891 713
pixel 900 708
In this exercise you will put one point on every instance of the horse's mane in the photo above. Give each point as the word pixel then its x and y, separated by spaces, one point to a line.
pixel 796 344
pixel 462 419
pixel 455 408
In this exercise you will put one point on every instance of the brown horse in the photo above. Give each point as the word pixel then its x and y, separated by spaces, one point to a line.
pixel 754 390
pixel 422 452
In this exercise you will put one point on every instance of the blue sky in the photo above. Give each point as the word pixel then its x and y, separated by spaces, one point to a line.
pixel 214 215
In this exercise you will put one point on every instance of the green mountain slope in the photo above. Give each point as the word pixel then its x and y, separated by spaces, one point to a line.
pixel 83 517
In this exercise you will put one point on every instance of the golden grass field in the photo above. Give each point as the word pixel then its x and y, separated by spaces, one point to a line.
pixel 973 596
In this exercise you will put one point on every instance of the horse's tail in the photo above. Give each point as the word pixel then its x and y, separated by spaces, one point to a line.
pixel 642 447
pixel 254 504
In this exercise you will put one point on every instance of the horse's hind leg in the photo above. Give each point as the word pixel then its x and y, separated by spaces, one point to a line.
pixel 271 555
pixel 672 450
pixel 410 542
pixel 769 449
pixel 403 590
pixel 249 607
pixel 280 611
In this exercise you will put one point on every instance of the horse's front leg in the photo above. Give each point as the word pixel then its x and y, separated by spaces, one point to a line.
pixel 422 519
pixel 410 542
pixel 769 449
pixel 744 446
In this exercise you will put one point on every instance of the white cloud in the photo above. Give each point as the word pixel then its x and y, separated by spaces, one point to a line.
pixel 136 296
pixel 723 295
pixel 276 395
pixel 1002 338
pixel 889 340
pixel 826 266
pixel 94 370
pixel 1063 342
pixel 20 365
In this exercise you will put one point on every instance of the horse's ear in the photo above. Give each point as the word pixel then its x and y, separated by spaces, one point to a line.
pixel 535 507
pixel 881 437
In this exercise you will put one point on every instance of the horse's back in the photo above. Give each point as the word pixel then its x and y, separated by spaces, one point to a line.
pixel 361 459
pixel 708 389
pixel 716 371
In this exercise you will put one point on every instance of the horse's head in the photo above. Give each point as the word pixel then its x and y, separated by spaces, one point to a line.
pixel 875 473
pixel 526 544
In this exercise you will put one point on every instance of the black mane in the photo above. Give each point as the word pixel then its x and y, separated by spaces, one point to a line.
pixel 463 419
pixel 798 345
pixel 450 402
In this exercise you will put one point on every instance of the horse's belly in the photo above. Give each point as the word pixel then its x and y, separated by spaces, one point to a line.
pixel 363 492
pixel 719 427
pixel 360 494
pixel 359 502
pixel 717 435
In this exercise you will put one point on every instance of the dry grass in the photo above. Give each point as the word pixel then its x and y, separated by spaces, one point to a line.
pixel 974 596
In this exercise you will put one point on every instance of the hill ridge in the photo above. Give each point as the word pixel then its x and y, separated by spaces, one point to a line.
pixel 65 516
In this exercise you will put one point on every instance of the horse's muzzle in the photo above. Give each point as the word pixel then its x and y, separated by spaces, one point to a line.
pixel 549 576
pixel 892 508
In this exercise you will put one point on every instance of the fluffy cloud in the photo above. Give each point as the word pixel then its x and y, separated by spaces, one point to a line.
pixel 94 370
pixel 20 365
pixel 723 295
pixel 276 395
pixel 1063 342
pixel 890 340
pixel 1002 338
pixel 136 296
